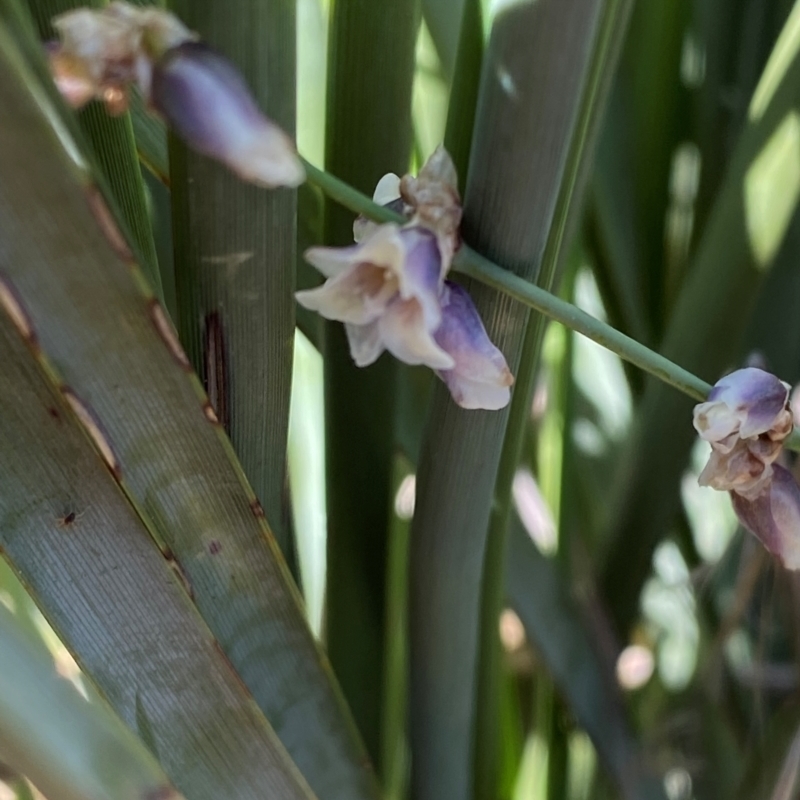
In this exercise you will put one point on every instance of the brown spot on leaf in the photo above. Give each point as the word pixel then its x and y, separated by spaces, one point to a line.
pixel 54 412
pixel 94 429
pixel 164 792
pixel 105 219
pixel 183 579
pixel 257 509
pixel 12 305
pixel 167 333
pixel 214 547
pixel 216 372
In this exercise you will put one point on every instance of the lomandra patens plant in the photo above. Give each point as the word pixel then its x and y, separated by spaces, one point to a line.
pixel 474 646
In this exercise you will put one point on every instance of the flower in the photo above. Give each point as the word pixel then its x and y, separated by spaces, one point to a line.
pixel 745 420
pixel 389 290
pixel 386 291
pixel 197 91
pixel 480 377
pixel 774 516
pixel 207 103
pixel 743 405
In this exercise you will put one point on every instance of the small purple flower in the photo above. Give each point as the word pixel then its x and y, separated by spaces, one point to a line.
pixel 207 103
pixel 386 291
pixel 198 92
pixel 480 377
pixel 745 404
pixel 774 517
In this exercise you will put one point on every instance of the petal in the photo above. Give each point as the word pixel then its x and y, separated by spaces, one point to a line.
pixel 387 190
pixel 749 401
pixel 208 104
pixel 365 343
pixel 406 337
pixel 358 296
pixel 480 377
pixel 384 248
pixel 740 471
pixel 774 517
pixel 420 277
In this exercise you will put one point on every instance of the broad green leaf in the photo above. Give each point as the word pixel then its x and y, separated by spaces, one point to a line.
pixel 531 85
pixel 443 18
pixel 113 346
pixel 371 49
pixel 67 747
pixel 235 255
pixel 116 602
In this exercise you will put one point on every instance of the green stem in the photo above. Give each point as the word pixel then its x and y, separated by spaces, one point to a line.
pixel 476 266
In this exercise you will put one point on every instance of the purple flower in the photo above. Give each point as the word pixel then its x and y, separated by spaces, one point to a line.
pixel 199 93
pixel 745 420
pixel 743 405
pixel 386 291
pixel 206 101
pixel 774 516
pixel 480 377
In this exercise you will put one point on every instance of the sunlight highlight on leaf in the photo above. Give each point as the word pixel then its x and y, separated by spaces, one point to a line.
pixel 782 55
pixel 772 188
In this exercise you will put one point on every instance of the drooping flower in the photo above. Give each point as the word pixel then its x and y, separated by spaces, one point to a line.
pixel 103 52
pixel 389 289
pixel 774 516
pixel 207 103
pixel 745 420
pixel 386 291
pixel 480 377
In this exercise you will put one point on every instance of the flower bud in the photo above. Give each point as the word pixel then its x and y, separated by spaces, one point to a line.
pixel 206 101
pixel 774 516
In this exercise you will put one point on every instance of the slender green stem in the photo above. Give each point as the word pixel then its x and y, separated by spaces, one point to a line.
pixel 476 266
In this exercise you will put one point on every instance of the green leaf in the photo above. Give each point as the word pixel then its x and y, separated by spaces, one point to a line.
pixel 523 128
pixel 114 348
pixel 370 74
pixel 69 748
pixel 235 256
pixel 114 599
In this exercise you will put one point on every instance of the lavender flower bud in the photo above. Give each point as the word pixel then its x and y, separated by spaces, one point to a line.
pixel 774 517
pixel 206 101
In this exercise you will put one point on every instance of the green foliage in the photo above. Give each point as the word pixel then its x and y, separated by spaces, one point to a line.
pixel 537 602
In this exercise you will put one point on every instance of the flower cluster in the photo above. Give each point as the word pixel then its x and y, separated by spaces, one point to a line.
pixel 390 291
pixel 746 420
pixel 103 52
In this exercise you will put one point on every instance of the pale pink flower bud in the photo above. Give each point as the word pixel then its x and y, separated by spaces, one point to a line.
pixel 206 101
pixel 480 377
pixel 774 516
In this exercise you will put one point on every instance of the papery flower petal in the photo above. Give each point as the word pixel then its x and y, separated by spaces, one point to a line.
pixel 208 104
pixel 480 377
pixel 406 336
pixel 742 469
pixel 748 402
pixel 421 276
pixel 366 344
pixel 358 296
pixel 386 194
pixel 72 78
pixel 774 517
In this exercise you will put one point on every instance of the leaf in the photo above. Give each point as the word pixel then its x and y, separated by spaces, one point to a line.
pixel 113 598
pixel 112 345
pixel 235 254
pixel 368 133
pixel 552 620
pixel 515 174
pixel 69 748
